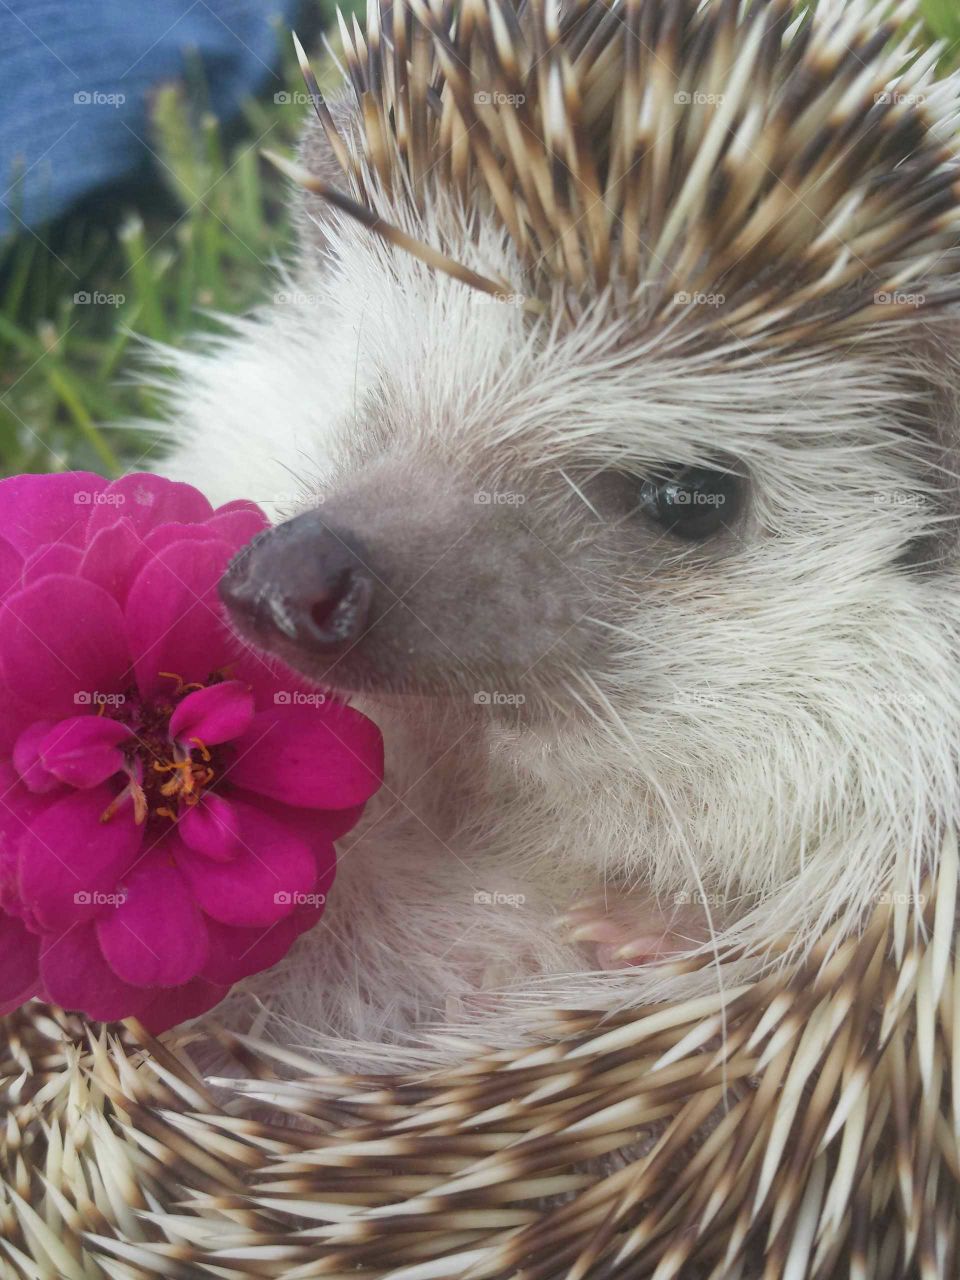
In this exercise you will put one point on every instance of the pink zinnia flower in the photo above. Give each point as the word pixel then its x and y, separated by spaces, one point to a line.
pixel 169 800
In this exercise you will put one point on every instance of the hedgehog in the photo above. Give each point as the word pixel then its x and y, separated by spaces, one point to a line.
pixel 615 371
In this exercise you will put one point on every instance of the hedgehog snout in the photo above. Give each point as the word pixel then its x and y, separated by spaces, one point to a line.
pixel 301 583
pixel 407 579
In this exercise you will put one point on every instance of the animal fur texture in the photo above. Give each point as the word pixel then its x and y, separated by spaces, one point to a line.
pixel 720 234
pixel 799 1127
pixel 650 940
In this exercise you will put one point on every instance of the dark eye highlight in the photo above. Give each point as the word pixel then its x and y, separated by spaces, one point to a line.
pixel 692 502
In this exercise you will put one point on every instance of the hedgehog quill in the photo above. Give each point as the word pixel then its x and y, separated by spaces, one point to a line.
pixel 617 361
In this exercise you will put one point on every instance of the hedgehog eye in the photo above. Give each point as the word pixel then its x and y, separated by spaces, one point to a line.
pixel 691 502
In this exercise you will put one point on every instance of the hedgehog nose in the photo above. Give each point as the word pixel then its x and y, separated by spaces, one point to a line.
pixel 300 582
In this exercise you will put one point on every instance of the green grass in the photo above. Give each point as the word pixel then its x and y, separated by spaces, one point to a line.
pixel 943 19
pixel 204 239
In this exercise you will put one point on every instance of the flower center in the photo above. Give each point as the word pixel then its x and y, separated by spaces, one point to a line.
pixel 187 778
pixel 163 775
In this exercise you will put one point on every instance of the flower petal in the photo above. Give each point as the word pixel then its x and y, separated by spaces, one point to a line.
pixel 113 558
pixel 18 808
pixel 174 620
pixel 11 568
pixel 325 757
pixel 55 508
pixel 238 522
pixel 69 859
pixel 155 937
pixel 26 758
pixel 147 500
pixel 53 557
pixel 165 535
pixel 51 666
pixel 14 716
pixel 75 975
pixel 211 829
pixel 19 962
pixel 270 874
pixel 316 827
pixel 168 1008
pixel 273 683
pixel 237 953
pixel 215 714
pixel 84 750
pixel 241 505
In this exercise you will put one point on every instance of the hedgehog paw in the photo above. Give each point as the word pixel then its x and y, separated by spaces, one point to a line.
pixel 634 929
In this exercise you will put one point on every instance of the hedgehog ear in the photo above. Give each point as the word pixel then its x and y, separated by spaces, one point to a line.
pixel 317 156
pixel 322 152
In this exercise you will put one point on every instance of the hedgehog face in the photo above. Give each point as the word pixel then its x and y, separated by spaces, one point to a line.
pixel 496 497
pixel 515 500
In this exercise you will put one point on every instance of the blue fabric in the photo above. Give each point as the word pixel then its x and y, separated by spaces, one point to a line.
pixel 76 77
